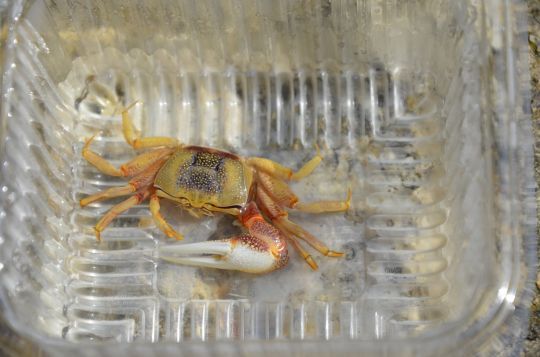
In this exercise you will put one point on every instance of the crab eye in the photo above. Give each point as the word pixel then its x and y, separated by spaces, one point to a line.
pixel 208 161
pixel 219 166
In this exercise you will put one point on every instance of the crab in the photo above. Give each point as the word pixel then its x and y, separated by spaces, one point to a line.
pixel 205 181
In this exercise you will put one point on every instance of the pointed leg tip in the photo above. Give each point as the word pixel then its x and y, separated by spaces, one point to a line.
pixel 98 234
pixel 334 254
pixel 126 109
pixel 178 237
pixel 290 175
pixel 174 234
pixel 88 141
pixel 318 151
pixel 349 199
pixel 84 202
pixel 312 264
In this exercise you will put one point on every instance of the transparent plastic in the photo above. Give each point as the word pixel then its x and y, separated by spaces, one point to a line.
pixel 419 106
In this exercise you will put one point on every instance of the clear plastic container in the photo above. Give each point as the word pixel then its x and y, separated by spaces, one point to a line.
pixel 419 106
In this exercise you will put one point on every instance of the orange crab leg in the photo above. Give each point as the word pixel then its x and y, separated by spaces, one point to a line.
pixel 307 257
pixel 308 167
pixel 161 223
pixel 131 168
pixel 281 194
pixel 116 210
pixel 293 228
pixel 143 179
pixel 280 218
pixel 272 210
pixel 270 167
pixel 277 189
pixel 325 206
pixel 144 161
pixel 263 250
pixel 98 162
pixel 109 193
pixel 134 139
pixel 281 172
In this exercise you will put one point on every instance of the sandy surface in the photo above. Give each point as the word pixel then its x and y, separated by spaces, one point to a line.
pixel 532 343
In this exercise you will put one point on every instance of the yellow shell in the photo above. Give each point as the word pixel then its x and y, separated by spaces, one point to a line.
pixel 199 176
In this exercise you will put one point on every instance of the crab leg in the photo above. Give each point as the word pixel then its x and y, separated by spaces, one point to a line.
pixel 98 162
pixel 261 251
pixel 160 221
pixel 109 193
pixel 277 189
pixel 308 167
pixel 144 161
pixel 292 228
pixel 131 168
pixel 280 218
pixel 281 194
pixel 325 206
pixel 284 173
pixel 300 250
pixel 134 139
pixel 143 179
pixel 116 210
pixel 270 167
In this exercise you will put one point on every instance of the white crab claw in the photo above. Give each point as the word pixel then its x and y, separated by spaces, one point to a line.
pixel 243 253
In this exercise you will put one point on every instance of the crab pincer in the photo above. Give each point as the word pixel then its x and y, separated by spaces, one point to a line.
pixel 262 250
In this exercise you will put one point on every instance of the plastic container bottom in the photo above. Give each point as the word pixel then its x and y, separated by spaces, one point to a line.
pixel 418 107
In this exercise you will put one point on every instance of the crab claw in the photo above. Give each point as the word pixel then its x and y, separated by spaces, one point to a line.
pixel 243 253
pixel 261 251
